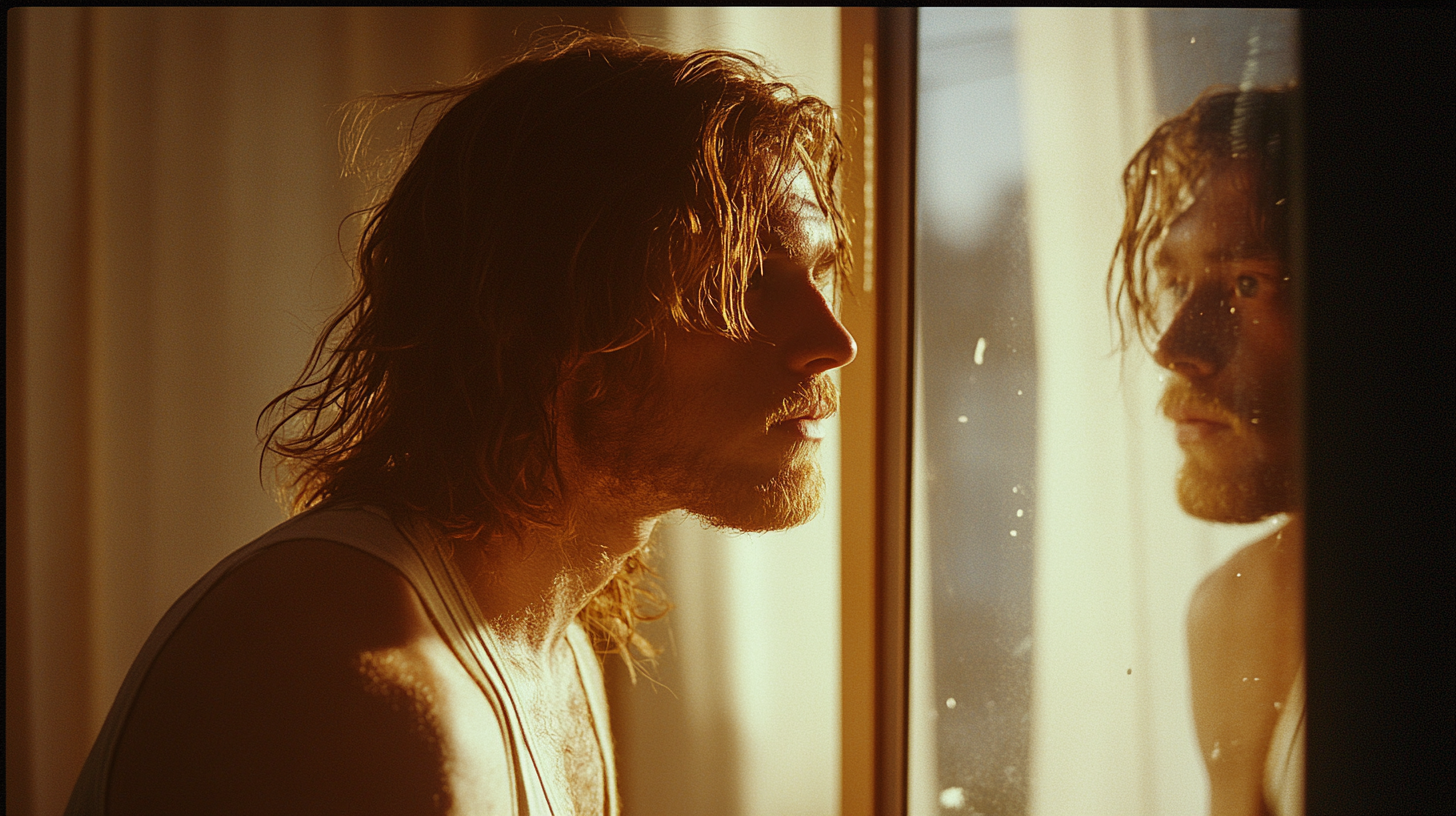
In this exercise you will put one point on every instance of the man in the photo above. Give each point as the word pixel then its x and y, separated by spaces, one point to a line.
pixel 602 289
pixel 1203 265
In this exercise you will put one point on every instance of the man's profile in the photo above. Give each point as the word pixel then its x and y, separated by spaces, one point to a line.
pixel 1203 271
pixel 602 289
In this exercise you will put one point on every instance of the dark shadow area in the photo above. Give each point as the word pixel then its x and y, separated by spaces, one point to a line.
pixel 1382 674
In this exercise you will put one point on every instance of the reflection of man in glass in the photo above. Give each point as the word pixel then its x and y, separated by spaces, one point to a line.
pixel 1203 267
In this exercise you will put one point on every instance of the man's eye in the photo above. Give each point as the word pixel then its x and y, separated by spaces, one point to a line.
pixel 1247 286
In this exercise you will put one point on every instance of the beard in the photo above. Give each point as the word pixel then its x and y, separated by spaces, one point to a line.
pixel 637 446
pixel 1247 494
pixel 1244 474
pixel 787 499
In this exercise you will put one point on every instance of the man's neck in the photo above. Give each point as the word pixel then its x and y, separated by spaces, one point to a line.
pixel 531 588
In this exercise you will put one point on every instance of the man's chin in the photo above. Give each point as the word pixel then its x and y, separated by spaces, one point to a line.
pixel 1232 499
pixel 789 499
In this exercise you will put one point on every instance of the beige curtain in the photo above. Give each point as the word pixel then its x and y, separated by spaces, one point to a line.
pixel 174 204
pixel 174 211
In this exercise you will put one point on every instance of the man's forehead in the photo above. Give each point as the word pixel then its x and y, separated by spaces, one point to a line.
pixel 1219 226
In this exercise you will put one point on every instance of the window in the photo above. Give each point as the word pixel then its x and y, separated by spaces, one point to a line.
pixel 1050 567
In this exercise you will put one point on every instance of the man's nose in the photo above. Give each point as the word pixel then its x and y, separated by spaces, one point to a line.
pixel 1200 338
pixel 821 342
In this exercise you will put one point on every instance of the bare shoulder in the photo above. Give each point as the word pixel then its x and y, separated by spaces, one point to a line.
pixel 310 679
pixel 1257 585
pixel 1245 644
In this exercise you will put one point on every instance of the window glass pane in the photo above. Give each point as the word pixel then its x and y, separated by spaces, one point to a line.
pixel 975 425
pixel 1053 557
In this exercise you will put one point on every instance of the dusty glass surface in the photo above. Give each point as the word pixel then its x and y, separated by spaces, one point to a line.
pixel 1044 523
pixel 974 512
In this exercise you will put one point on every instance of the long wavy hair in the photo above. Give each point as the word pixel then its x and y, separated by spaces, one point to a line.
pixel 586 196
pixel 1226 129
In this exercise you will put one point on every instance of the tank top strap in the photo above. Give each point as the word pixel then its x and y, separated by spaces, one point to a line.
pixel 1284 764
pixel 452 607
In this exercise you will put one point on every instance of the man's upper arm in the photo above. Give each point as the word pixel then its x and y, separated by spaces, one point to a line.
pixel 309 680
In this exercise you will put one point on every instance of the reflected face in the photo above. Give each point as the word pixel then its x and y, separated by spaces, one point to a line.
pixel 1230 348
pixel 726 429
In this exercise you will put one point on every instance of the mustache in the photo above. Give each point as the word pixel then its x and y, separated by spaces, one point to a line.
pixel 817 397
pixel 1181 397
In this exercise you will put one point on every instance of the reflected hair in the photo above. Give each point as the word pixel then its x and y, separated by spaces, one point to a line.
pixel 587 196
pixel 1243 134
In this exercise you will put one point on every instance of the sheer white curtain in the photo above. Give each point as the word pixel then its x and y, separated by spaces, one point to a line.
pixel 1116 560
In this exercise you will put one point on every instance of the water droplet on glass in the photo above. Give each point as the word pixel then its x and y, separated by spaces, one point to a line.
pixel 980 351
pixel 1192 40
pixel 1238 575
pixel 1020 513
pixel 1016 489
pixel 1018 392
pixel 1216 751
pixel 953 798
pixel 1246 679
pixel 950 702
pixel 1013 534
pixel 963 419
pixel 1255 420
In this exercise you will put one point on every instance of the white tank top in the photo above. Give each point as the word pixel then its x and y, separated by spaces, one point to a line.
pixel 1284 766
pixel 450 605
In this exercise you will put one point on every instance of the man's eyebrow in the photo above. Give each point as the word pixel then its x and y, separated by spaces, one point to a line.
pixel 1243 251
pixel 823 257
pixel 798 202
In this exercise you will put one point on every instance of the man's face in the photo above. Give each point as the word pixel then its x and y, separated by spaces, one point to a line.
pixel 1230 347
pixel 730 430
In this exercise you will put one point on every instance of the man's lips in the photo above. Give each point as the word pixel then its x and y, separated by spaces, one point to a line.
pixel 806 423
pixel 804 412
pixel 1196 424
pixel 1193 431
